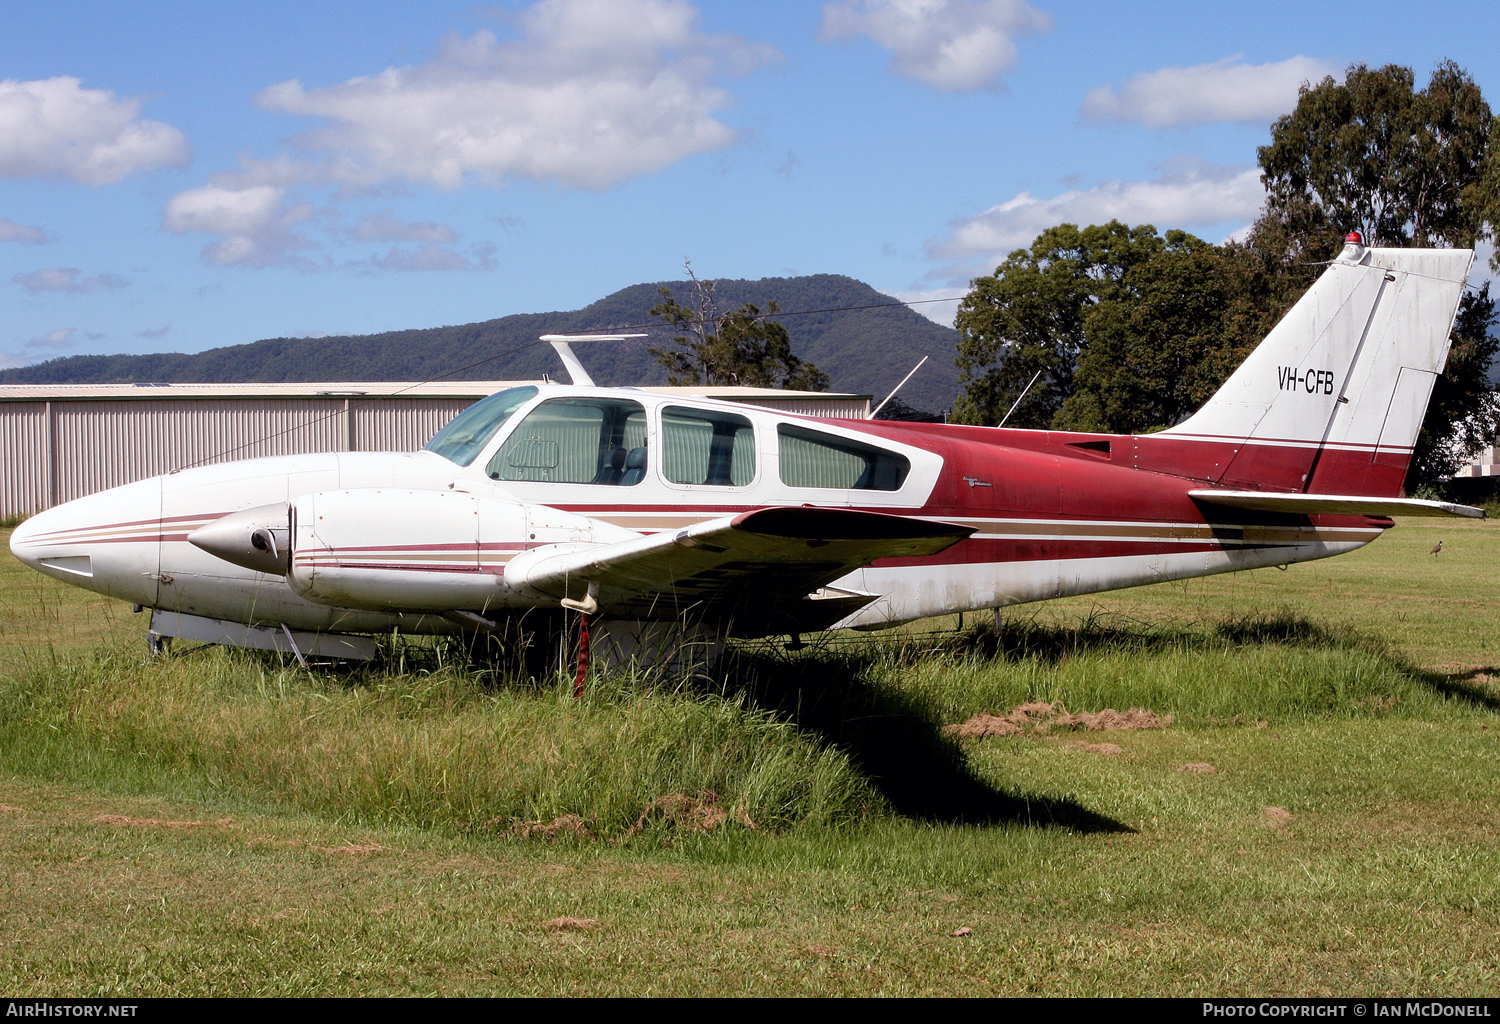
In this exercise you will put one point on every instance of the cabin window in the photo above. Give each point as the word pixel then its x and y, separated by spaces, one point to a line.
pixel 576 441
pixel 466 434
pixel 701 446
pixel 810 458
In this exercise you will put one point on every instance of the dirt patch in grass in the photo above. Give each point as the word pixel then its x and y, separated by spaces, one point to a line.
pixel 570 924
pixel 1276 817
pixel 1197 768
pixel 8 809
pixel 982 726
pixel 1110 720
pixel 1111 749
pixel 702 813
pixel 1039 718
pixel 570 825
pixel 127 821
pixel 352 849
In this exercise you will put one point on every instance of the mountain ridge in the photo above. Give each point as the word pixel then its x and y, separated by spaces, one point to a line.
pixel 864 350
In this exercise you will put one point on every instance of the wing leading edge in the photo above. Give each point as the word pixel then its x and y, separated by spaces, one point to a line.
pixel 761 572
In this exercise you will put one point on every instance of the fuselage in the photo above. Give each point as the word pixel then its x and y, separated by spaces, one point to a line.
pixel 1054 514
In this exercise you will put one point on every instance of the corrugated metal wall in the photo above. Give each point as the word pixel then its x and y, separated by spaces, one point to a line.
pixel 401 424
pixel 25 455
pixel 832 408
pixel 93 445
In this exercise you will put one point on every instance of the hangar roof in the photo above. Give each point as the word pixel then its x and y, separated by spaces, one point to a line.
pixel 351 389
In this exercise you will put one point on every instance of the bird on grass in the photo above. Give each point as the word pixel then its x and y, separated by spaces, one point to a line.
pixel 1437 549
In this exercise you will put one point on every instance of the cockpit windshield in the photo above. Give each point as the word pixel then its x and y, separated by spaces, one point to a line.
pixel 466 434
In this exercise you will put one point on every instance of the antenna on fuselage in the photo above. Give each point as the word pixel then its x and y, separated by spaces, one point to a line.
pixel 576 373
pixel 898 387
pixel 1017 402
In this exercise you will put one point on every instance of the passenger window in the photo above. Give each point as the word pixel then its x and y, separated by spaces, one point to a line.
pixel 707 447
pixel 576 441
pixel 813 459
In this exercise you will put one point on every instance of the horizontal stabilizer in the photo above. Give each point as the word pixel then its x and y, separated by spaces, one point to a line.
pixel 1335 504
pixel 759 571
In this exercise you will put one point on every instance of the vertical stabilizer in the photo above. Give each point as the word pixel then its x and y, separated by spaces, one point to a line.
pixel 1342 382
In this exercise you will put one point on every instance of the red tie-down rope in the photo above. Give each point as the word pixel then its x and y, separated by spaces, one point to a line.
pixel 583 655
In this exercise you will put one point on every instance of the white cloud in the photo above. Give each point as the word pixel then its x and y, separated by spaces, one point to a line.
pixel 254 220
pixel 10 231
pixel 1190 193
pixel 62 338
pixel 1226 90
pixel 591 93
pixel 222 210
pixel 1239 235
pixel 953 45
pixel 52 128
pixel 433 257
pixel 386 227
pixel 587 94
pixel 67 279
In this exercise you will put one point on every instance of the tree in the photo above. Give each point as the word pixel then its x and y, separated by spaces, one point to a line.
pixel 1484 195
pixel 739 348
pixel 1159 347
pixel 1127 331
pixel 1027 318
pixel 1371 155
pixel 1463 415
pixel 1404 168
pixel 899 411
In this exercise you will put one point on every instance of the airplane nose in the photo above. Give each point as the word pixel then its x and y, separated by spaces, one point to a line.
pixel 27 541
pixel 107 542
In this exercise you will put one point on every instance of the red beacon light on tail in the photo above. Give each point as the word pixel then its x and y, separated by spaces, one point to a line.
pixel 1353 250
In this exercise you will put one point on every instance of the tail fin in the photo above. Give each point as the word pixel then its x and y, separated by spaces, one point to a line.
pixel 1341 384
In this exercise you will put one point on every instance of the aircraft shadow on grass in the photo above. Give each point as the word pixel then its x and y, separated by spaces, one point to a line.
pixel 895 743
pixel 1028 638
pixel 1468 685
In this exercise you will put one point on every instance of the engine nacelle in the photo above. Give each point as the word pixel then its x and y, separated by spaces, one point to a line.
pixel 416 550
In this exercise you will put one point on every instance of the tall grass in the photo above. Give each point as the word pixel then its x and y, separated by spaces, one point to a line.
pixel 1261 667
pixel 814 739
pixel 438 747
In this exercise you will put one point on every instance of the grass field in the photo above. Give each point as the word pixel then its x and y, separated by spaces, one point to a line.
pixel 1318 818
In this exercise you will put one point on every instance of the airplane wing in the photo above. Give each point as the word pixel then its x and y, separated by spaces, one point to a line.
pixel 1334 504
pixel 761 572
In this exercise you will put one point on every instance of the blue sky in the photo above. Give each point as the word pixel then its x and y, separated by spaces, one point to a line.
pixel 176 177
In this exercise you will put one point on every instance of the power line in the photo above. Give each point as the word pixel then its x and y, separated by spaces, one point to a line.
pixel 339 412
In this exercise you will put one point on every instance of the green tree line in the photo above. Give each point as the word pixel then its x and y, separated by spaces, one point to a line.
pixel 1128 330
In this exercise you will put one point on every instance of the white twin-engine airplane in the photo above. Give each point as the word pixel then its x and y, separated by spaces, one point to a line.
pixel 637 508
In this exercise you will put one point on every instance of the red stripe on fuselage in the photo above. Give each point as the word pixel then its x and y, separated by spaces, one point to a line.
pixel 1274 464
